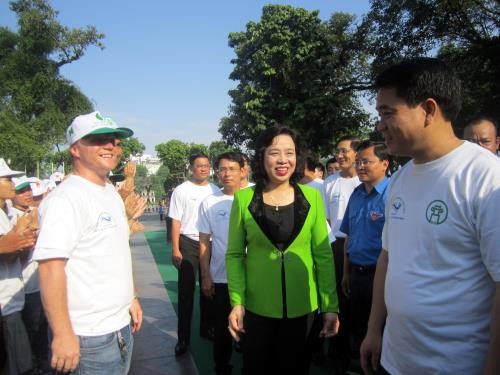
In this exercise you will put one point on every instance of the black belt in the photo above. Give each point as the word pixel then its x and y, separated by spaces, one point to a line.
pixel 363 269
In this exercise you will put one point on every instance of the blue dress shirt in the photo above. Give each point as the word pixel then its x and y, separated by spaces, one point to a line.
pixel 363 223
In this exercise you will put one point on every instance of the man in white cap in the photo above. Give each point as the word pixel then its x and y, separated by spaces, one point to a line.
pixel 33 315
pixel 84 257
pixel 12 241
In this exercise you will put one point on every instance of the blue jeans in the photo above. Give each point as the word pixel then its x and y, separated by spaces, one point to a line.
pixel 108 354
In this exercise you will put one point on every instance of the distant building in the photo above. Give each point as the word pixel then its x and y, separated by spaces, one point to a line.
pixel 152 163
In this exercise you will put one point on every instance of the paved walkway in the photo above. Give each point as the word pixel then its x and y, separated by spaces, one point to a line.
pixel 154 343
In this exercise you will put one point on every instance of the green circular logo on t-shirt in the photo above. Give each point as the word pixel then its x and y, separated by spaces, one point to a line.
pixel 437 212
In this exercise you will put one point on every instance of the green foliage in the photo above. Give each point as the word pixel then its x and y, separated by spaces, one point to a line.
pixel 295 70
pixel 464 33
pixel 36 102
pixel 219 147
pixel 131 147
pixel 174 154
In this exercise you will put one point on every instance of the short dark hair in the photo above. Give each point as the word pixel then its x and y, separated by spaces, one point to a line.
pixel 355 141
pixel 265 140
pixel 331 161
pixel 193 157
pixel 245 157
pixel 418 79
pixel 319 165
pixel 233 156
pixel 379 149
pixel 310 160
pixel 474 120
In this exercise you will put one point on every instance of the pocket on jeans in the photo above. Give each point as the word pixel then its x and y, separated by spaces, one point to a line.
pixel 96 343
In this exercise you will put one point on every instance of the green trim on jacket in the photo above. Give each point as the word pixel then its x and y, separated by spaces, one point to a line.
pixel 254 263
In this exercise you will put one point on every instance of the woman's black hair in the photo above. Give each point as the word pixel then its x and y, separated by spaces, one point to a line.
pixel 265 140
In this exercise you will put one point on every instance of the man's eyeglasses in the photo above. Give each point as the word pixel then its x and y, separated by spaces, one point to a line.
pixel 342 151
pixel 230 170
pixel 363 163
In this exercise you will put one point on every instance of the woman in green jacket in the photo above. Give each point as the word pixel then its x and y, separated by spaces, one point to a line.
pixel 279 261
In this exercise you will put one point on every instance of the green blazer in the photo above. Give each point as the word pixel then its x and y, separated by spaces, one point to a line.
pixel 254 263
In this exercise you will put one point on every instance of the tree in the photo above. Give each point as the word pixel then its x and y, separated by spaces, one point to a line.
pixel 464 33
pixel 219 147
pixel 131 147
pixel 174 154
pixel 35 100
pixel 293 69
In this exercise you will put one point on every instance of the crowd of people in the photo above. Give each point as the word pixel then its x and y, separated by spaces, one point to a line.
pixel 400 271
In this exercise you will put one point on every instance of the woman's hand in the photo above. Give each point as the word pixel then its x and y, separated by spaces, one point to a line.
pixel 236 322
pixel 330 325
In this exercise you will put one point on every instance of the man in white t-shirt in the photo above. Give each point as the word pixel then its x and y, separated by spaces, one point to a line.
pixel 311 177
pixel 213 225
pixel 83 251
pixel 183 210
pixel 440 266
pixel 14 335
pixel 33 314
pixel 337 190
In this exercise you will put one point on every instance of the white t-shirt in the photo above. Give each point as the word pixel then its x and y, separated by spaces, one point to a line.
pixel 11 282
pixel 336 193
pixel 87 224
pixel 185 203
pixel 214 220
pixel 30 268
pixel 441 234
pixel 317 184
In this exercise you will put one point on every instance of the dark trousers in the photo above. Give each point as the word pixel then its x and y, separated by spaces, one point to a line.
pixel 186 283
pixel 340 344
pixel 17 345
pixel 223 343
pixel 275 346
pixel 361 286
pixel 37 327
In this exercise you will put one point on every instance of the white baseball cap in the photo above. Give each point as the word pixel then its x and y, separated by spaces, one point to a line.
pixel 37 187
pixel 5 171
pixel 57 177
pixel 21 182
pixel 94 123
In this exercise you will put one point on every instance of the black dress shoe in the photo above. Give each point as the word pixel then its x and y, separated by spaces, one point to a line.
pixel 181 348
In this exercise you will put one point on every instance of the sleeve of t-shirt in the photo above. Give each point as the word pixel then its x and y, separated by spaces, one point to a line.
pixel 344 227
pixel 176 208
pixel 488 206
pixel 203 218
pixel 61 227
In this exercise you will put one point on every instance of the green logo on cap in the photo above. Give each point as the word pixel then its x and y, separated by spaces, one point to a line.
pixel 98 116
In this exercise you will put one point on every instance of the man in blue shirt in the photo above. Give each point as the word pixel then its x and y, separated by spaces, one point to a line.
pixel 363 223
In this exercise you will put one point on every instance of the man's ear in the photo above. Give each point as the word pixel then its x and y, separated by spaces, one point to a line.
pixel 431 109
pixel 74 151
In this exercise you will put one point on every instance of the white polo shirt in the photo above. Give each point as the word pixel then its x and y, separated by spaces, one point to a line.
pixel 11 282
pixel 185 203
pixel 336 193
pixel 214 220
pixel 30 268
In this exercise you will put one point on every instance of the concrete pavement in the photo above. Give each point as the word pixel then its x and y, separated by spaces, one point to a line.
pixel 154 344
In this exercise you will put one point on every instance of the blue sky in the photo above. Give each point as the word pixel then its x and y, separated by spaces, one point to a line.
pixel 165 69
